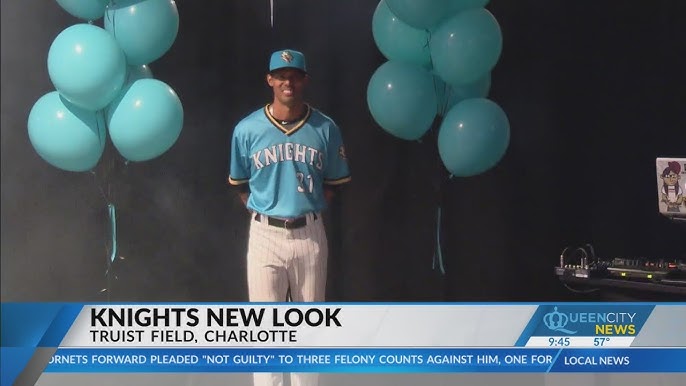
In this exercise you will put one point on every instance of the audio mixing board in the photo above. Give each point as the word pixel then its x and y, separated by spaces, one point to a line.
pixel 582 263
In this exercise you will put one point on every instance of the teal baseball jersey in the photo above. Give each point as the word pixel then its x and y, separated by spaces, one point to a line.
pixel 287 165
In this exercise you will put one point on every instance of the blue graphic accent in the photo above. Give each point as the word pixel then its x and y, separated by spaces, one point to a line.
pixel 624 360
pixel 530 327
pixel 554 360
pixel 26 326
pixel 557 321
pixel 589 319
pixel 60 325
pixel 13 360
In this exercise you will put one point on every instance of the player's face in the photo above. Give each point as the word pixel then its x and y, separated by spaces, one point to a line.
pixel 288 85
pixel 671 178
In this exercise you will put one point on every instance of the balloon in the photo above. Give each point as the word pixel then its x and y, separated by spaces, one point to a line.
pixel 466 46
pixel 65 135
pixel 473 137
pixel 134 73
pixel 450 95
pixel 86 66
pixel 398 41
pixel 463 5
pixel 146 120
pixel 420 13
pixel 138 72
pixel 145 29
pixel 401 99
pixel 84 9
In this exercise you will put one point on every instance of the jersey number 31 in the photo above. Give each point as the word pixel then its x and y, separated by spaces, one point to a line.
pixel 301 186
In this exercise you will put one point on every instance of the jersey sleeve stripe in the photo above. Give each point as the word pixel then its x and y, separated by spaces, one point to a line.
pixel 233 181
pixel 338 181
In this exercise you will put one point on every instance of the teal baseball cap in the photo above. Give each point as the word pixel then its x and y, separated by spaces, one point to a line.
pixel 287 59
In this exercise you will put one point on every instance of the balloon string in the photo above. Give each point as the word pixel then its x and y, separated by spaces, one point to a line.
pixel 113 233
pixel 447 90
pixel 108 168
pixel 102 191
pixel 440 107
pixel 113 254
pixel 438 254
pixel 102 134
pixel 428 46
pixel 111 16
pixel 113 228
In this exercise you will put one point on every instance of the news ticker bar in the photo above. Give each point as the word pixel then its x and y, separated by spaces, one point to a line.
pixel 362 360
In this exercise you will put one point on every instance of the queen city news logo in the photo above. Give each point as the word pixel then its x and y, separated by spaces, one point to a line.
pixel 596 323
pixel 557 321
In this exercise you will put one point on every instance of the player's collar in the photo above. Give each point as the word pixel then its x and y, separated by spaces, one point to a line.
pixel 288 128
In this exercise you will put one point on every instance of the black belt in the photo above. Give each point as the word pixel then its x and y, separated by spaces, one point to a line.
pixel 291 223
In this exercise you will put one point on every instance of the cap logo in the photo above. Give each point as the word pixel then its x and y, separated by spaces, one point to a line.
pixel 286 56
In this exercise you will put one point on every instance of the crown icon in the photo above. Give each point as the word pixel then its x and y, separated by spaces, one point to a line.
pixel 557 321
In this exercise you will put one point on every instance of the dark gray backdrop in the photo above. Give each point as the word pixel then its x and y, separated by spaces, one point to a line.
pixel 594 91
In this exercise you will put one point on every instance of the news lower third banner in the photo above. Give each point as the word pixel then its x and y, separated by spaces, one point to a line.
pixel 342 338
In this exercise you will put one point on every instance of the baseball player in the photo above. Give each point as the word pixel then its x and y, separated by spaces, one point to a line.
pixel 287 158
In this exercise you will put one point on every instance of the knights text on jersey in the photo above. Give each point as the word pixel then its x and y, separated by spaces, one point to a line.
pixel 286 166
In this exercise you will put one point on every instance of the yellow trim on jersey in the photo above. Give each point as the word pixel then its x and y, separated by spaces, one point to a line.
pixel 232 181
pixel 338 181
pixel 283 128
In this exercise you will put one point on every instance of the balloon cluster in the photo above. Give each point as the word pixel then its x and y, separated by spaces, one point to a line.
pixel 440 57
pixel 103 84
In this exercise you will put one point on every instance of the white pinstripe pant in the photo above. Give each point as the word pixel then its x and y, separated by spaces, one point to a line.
pixel 280 259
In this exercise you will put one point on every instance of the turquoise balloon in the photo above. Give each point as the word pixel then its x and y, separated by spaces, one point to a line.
pixel 422 14
pixel 84 9
pixel 145 29
pixel 146 120
pixel 450 95
pixel 86 66
pixel 401 99
pixel 463 5
pixel 397 40
pixel 466 46
pixel 135 73
pixel 65 135
pixel 473 137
